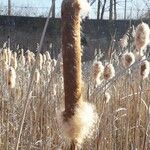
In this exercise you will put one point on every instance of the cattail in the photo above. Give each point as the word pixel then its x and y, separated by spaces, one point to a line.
pixel 48 67
pixel 145 69
pixel 9 53
pixel 85 8
pixel 48 57
pixel 124 41
pixel 11 77
pixel 40 60
pixel 44 59
pixel 78 117
pixel 128 59
pixel 81 124
pixel 5 56
pixel 32 56
pixel 140 55
pixel 5 65
pixel 142 36
pixel 129 35
pixel 109 71
pixel 22 60
pixel 28 57
pixel 54 62
pixel 36 76
pixel 97 70
pixel 14 60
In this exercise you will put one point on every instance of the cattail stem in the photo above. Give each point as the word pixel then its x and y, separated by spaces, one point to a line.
pixel 71 49
pixel 73 146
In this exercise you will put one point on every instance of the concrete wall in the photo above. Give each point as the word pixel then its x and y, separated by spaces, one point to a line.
pixel 26 31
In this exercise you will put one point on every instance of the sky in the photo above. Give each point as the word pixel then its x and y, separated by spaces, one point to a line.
pixel 44 5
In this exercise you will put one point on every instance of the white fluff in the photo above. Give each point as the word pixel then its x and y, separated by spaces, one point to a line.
pixel 85 8
pixel 128 59
pixel 145 69
pixel 81 125
pixel 142 36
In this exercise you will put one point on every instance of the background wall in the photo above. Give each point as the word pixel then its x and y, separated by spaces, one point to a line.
pixel 26 31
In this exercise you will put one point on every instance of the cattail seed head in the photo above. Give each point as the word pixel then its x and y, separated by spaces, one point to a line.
pixel 44 59
pixel 11 76
pixel 40 60
pixel 81 124
pixel 48 57
pixel 85 8
pixel 54 62
pixel 28 57
pixel 124 41
pixel 128 59
pixel 5 65
pixel 48 67
pixel 144 69
pixel 32 56
pixel 9 53
pixel 22 60
pixel 142 36
pixel 5 56
pixel 109 71
pixel 14 60
pixel 36 76
pixel 97 70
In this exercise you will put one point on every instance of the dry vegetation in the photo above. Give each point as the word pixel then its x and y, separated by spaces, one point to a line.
pixel 119 89
pixel 123 104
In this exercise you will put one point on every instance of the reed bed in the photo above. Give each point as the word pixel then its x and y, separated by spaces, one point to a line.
pixel 119 90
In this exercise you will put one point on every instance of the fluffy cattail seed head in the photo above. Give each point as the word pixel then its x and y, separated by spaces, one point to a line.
pixel 22 60
pixel 97 71
pixel 144 69
pixel 36 76
pixel 81 125
pixel 124 41
pixel 9 54
pixel 5 65
pixel 109 71
pixel 14 60
pixel 48 57
pixel 28 57
pixel 128 59
pixel 5 56
pixel 11 77
pixel 44 59
pixel 40 60
pixel 142 36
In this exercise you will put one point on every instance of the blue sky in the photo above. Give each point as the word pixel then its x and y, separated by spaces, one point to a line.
pixel 45 4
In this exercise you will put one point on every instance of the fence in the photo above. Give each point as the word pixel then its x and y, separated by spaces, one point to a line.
pixel 43 12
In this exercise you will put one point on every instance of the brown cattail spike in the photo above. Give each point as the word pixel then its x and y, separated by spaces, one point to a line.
pixel 71 50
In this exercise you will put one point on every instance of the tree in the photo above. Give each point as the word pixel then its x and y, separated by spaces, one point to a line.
pixel 9 7
pixel 98 9
pixel 115 10
pixel 125 9
pixel 111 10
pixel 53 9
pixel 103 10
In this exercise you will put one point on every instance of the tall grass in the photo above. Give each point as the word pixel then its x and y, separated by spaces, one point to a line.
pixel 123 120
